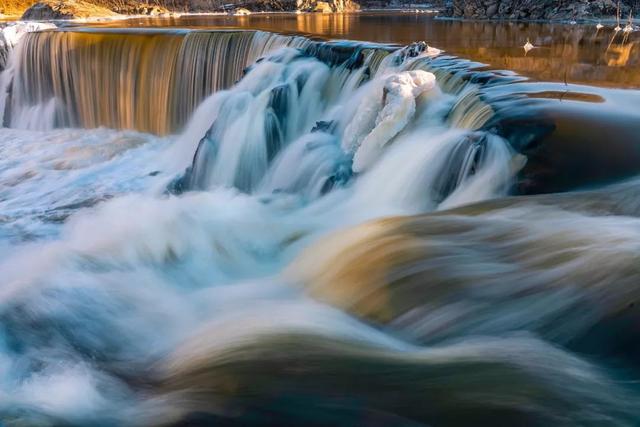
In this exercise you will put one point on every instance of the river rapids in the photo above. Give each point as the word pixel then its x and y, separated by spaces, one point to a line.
pixel 245 228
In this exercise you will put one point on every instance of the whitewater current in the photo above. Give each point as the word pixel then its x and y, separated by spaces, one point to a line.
pixel 320 233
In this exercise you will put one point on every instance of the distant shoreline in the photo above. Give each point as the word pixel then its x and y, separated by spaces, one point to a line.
pixel 436 13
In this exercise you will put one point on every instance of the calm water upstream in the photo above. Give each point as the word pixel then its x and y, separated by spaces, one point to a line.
pixel 319 220
pixel 564 52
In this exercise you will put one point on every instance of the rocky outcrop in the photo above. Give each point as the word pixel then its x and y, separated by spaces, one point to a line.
pixel 534 9
pixel 469 9
pixel 67 9
pixel 64 9
pixel 244 7
pixel 137 8
pixel 326 6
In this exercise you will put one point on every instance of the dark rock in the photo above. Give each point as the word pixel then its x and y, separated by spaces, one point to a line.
pixel 324 126
pixel 491 10
pixel 536 9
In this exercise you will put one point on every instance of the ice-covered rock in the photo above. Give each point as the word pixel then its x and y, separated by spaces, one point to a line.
pixel 11 33
pixel 384 113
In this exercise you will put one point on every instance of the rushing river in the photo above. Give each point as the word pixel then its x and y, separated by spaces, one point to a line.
pixel 244 221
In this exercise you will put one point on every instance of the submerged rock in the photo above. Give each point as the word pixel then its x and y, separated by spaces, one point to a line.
pixel 568 148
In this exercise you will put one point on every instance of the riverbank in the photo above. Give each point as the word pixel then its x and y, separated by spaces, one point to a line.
pixel 517 10
pixel 540 9
pixel 97 9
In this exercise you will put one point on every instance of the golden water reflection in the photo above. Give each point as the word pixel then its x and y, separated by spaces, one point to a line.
pixel 563 52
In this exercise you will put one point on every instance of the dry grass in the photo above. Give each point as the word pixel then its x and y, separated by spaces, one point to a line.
pixel 14 7
pixel 17 7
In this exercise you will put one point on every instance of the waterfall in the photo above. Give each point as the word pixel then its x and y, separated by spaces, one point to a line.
pixel 268 115
pixel 110 78
pixel 164 249
pixel 307 121
pixel 54 78
pixel 10 35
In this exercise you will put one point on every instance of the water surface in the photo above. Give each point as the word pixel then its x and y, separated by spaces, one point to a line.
pixel 565 52
pixel 205 223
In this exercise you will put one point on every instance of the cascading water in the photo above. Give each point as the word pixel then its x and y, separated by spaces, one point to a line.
pixel 185 280
pixel 318 120
pixel 89 79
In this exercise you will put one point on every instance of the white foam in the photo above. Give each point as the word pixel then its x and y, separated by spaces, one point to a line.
pixel 116 267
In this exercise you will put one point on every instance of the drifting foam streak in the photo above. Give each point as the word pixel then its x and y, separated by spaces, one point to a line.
pixel 46 176
pixel 87 305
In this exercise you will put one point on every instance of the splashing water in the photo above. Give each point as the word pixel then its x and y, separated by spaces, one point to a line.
pixel 185 280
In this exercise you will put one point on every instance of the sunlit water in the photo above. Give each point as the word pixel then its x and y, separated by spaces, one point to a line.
pixel 563 52
pixel 249 228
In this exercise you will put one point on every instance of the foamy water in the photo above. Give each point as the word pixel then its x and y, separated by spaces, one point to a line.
pixel 159 280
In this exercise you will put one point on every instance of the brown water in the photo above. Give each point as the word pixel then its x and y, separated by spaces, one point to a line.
pixel 564 52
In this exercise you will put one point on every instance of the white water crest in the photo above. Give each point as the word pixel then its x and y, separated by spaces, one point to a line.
pixel 298 125
pixel 10 35
pixel 148 278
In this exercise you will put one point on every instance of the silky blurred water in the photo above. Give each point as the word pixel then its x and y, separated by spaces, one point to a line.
pixel 339 233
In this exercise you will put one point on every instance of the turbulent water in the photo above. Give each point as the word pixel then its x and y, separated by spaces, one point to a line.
pixel 244 228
